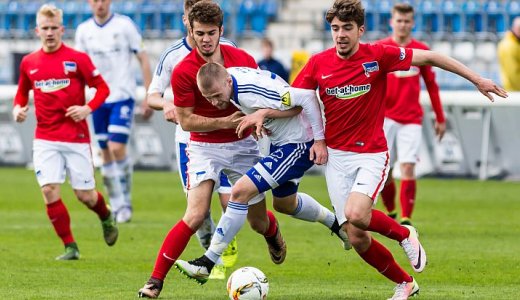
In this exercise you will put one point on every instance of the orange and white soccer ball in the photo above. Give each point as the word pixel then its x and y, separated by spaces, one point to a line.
pixel 247 283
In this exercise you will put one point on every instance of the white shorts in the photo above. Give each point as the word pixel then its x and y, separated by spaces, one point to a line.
pixel 404 141
pixel 53 161
pixel 348 172
pixel 207 160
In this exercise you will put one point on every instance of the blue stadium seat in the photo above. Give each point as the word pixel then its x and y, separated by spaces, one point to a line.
pixel 496 16
pixel 149 20
pixel 371 15
pixel 72 11
pixel 171 16
pixel 245 11
pixel 429 20
pixel 452 16
pixel 384 11
pixel 513 10
pixel 13 20
pixel 259 18
pixel 473 16
pixel 3 20
pixel 28 15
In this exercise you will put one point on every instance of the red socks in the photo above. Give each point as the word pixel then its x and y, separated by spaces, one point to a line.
pixel 101 208
pixel 407 197
pixel 271 229
pixel 384 225
pixel 388 196
pixel 380 258
pixel 172 247
pixel 60 219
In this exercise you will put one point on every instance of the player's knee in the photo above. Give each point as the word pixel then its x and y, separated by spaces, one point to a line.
pixel 241 194
pixel 89 197
pixel 50 192
pixel 194 219
pixel 356 217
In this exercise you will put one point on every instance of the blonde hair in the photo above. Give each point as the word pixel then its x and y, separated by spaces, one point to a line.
pixel 49 11
pixel 209 73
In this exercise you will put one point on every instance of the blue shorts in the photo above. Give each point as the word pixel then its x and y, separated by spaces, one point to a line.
pixel 112 122
pixel 282 169
pixel 182 164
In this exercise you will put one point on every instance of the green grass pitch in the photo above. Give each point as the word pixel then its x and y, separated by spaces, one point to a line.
pixel 470 230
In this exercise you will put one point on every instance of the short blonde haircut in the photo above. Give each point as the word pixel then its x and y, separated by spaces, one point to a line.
pixel 49 11
pixel 210 73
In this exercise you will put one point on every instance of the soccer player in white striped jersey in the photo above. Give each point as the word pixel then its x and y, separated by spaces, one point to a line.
pixel 297 143
pixel 111 40
pixel 161 79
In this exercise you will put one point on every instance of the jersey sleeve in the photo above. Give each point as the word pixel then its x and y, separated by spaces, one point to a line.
pixel 433 90
pixel 395 58
pixel 135 39
pixel 78 39
pixel 161 79
pixel 24 86
pixel 305 79
pixel 94 80
pixel 308 100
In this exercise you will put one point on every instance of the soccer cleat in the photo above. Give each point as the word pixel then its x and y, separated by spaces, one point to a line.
pixel 406 221
pixel 124 215
pixel 414 250
pixel 110 231
pixel 151 289
pixel 344 238
pixel 392 214
pixel 71 252
pixel 405 290
pixel 197 269
pixel 277 247
pixel 338 230
pixel 230 255
pixel 218 272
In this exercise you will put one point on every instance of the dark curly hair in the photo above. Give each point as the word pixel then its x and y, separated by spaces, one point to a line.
pixel 206 12
pixel 346 11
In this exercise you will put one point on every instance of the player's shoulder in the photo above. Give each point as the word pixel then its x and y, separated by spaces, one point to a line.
pixel 225 41
pixel 416 44
pixel 83 26
pixel 386 41
pixel 324 55
pixel 121 19
pixel 234 50
pixel 175 48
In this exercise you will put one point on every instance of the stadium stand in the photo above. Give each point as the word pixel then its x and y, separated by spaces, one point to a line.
pixel 466 28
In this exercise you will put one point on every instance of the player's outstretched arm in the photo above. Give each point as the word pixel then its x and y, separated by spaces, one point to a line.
pixel 484 85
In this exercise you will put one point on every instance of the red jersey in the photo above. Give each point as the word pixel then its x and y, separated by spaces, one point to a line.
pixel 187 94
pixel 58 80
pixel 352 91
pixel 404 90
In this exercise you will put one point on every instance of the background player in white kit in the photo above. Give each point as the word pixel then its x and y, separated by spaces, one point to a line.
pixel 295 148
pixel 160 82
pixel 111 40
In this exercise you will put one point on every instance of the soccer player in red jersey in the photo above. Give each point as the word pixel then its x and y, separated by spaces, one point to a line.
pixel 403 115
pixel 214 146
pixel 58 74
pixel 351 81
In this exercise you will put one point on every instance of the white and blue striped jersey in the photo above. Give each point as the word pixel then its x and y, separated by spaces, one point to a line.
pixel 111 46
pixel 255 89
pixel 163 74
